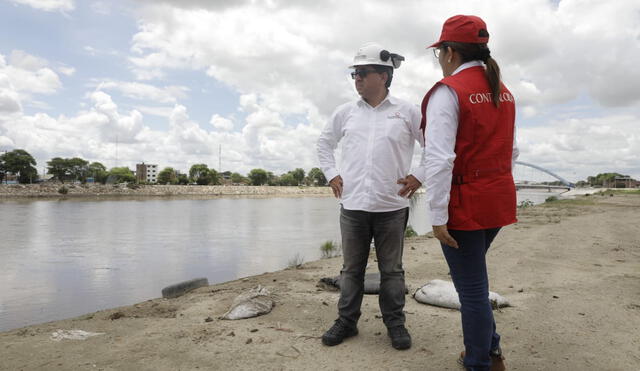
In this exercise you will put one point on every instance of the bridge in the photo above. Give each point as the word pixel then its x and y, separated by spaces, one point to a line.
pixel 566 185
pixel 531 185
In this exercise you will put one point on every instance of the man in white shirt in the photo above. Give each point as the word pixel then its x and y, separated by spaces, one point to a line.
pixel 378 133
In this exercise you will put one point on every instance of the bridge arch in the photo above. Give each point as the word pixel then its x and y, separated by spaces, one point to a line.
pixel 563 180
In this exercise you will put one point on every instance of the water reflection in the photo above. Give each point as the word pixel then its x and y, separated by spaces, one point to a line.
pixel 60 259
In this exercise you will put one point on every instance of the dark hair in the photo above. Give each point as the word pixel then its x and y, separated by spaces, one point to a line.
pixel 388 70
pixel 472 52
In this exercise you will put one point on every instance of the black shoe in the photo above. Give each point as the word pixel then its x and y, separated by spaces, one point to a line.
pixel 338 332
pixel 400 338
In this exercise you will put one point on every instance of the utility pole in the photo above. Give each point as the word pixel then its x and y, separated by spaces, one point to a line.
pixel 220 158
pixel 116 150
pixel 6 179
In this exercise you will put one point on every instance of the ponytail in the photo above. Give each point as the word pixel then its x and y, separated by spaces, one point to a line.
pixel 493 77
pixel 472 52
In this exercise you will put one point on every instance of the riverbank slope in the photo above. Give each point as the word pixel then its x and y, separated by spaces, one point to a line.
pixel 58 190
pixel 571 270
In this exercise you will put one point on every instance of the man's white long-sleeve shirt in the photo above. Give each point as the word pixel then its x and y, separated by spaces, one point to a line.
pixel 439 155
pixel 377 148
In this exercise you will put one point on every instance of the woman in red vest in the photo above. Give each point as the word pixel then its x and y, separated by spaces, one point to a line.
pixel 469 123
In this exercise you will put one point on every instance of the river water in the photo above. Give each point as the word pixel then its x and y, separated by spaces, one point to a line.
pixel 64 258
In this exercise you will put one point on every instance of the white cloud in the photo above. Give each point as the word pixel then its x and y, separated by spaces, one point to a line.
pixel 9 102
pixel 29 74
pixel 578 148
pixel 162 111
pixel 66 70
pixel 294 60
pixel 6 143
pixel 48 5
pixel 20 78
pixel 295 55
pixel 114 124
pixel 9 99
pixel 103 130
pixel 288 61
pixel 90 134
pixel 101 7
pixel 94 52
pixel 221 123
pixel 140 91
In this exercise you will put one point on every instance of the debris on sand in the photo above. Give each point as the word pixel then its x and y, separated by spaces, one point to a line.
pixel 116 315
pixel 73 335
pixel 253 303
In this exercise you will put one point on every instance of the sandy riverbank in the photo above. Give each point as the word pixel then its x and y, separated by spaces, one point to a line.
pixel 571 269
pixel 53 190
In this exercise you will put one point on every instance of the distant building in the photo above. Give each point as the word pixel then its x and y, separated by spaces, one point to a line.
pixel 621 182
pixel 146 173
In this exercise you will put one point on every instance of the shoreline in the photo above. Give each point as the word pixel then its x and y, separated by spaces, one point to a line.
pixel 77 191
pixel 569 268
pixel 48 191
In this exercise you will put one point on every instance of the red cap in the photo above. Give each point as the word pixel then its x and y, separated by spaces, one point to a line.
pixel 463 29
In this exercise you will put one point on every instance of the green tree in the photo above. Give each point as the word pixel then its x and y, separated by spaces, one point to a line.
pixel 98 172
pixel 287 180
pixel 121 174
pixel 167 176
pixel 183 179
pixel 203 178
pixel 3 169
pixel 236 178
pixel 201 174
pixel 21 163
pixel 298 175
pixel 258 176
pixel 68 168
pixel 316 177
pixel 78 168
pixel 272 179
pixel 214 177
pixel 199 171
pixel 59 168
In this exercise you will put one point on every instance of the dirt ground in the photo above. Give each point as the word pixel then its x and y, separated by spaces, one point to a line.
pixel 571 270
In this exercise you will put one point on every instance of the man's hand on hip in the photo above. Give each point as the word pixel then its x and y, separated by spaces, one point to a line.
pixel 411 185
pixel 336 186
pixel 441 233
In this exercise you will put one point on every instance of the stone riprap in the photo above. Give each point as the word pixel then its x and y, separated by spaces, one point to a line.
pixel 97 190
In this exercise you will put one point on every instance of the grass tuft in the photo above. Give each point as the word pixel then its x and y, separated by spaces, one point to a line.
pixel 410 232
pixel 329 249
pixel 295 262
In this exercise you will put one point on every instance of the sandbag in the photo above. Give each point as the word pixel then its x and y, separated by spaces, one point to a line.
pixel 182 288
pixel 443 294
pixel 252 303
pixel 371 283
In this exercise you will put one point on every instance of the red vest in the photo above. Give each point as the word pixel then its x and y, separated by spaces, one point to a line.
pixel 483 194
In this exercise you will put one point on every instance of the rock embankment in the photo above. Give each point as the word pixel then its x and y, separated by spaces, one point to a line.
pixel 97 190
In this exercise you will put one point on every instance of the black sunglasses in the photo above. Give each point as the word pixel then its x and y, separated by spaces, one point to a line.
pixel 362 73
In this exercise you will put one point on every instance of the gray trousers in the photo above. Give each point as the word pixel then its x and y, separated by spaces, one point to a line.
pixel 387 230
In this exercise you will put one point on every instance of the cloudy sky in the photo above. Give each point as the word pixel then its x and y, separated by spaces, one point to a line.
pixel 172 82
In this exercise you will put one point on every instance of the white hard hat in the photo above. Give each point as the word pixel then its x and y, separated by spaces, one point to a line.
pixel 373 53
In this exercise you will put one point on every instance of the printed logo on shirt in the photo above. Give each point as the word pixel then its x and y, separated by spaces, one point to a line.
pixel 477 98
pixel 395 115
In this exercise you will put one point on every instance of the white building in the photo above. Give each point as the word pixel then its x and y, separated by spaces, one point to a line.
pixel 147 173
